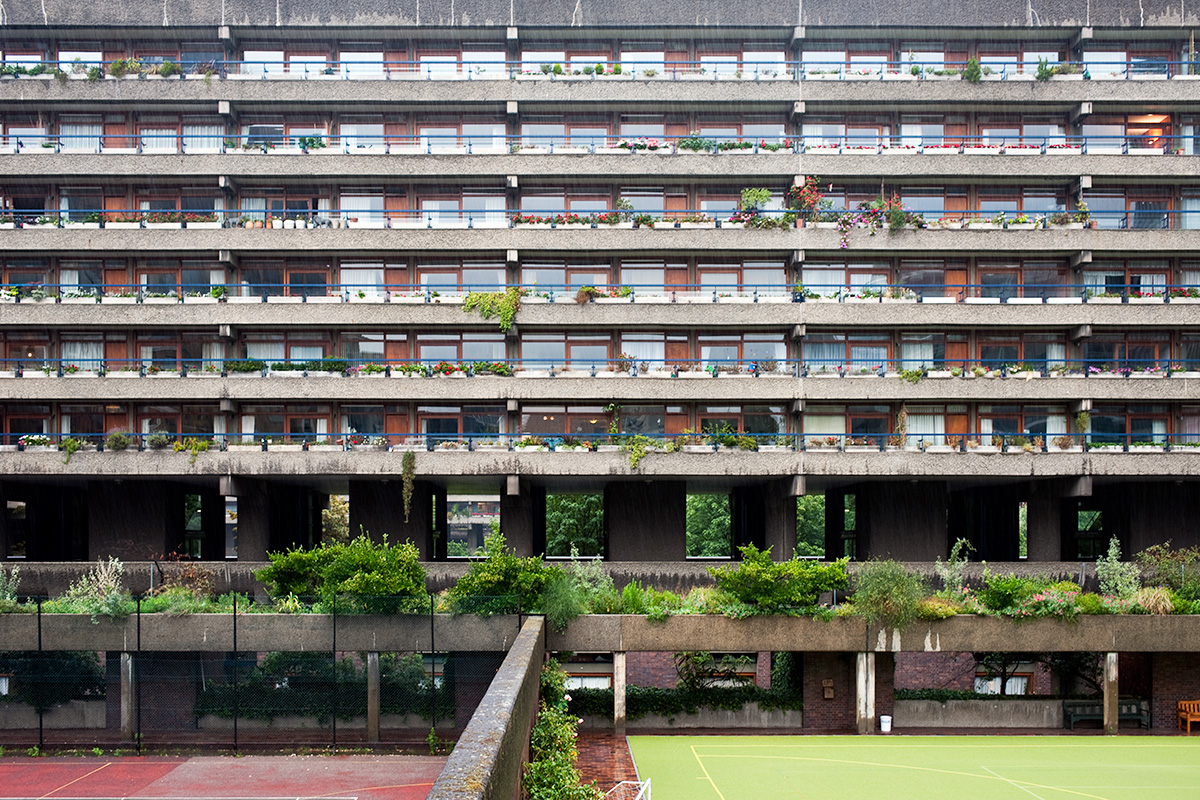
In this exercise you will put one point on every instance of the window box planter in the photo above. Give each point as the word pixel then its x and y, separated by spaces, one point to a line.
pixel 981 226
pixel 1145 151
pixel 46 226
pixel 1064 301
pixel 862 448
pixel 982 301
pixel 939 448
pixel 122 226
pixel 374 224
pixel 325 448
pixel 1022 226
pixel 205 226
pixel 83 225
pixel 1146 300
pixel 1105 448
pixel 774 448
pixel 531 448
pixel 1145 448
pixel 939 373
pixel 284 448
pixel 942 150
pixel 981 150
pixel 984 450
pixel 1070 226
pixel 1024 301
pixel 378 448
pixel 899 76
pixel 822 149
pixel 1019 150
pixel 41 448
pixel 903 149
pixel 697 448
pixel 164 226
pixel 160 301
pixel 1111 301
pixel 1053 449
pixel 1069 150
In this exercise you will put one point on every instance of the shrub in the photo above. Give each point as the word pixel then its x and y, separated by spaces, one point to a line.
pixel 1167 567
pixel 1117 578
pixel 10 580
pixel 117 441
pixel 158 441
pixel 359 576
pixel 50 678
pixel 886 594
pixel 1091 603
pixel 99 591
pixel 502 583
pixel 551 773
pixel 1002 592
pixel 972 72
pixel 769 587
pixel 937 608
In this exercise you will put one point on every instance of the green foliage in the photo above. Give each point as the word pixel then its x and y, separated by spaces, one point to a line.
pixel 70 445
pixel 551 773
pixel 1044 70
pixel 764 586
pixel 495 304
pixel 641 701
pixel 50 678
pixel 501 583
pixel 98 592
pixel 1118 578
pixel 699 669
pixel 637 447
pixel 887 594
pixel 562 600
pixel 335 519
pixel 158 441
pixel 10 581
pixel 117 441
pixel 574 521
pixel 358 577
pixel 754 199
pixel 709 528
pixel 1178 569
pixel 1002 592
pixel 972 72
pixel 810 526
pixel 245 365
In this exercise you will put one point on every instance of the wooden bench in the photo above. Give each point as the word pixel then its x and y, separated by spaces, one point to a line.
pixel 1134 709
pixel 1189 712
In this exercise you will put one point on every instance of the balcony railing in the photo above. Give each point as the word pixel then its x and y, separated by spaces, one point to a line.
pixel 467 144
pixel 738 69
pixel 981 443
pixel 1007 293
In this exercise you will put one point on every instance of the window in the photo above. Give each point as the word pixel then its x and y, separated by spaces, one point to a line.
pixel 79 135
pixel 481 276
pixel 285 424
pixel 449 423
pixel 470 518
pixel 579 351
pixel 361 64
pixel 1137 278
pixel 1022 279
pixel 80 278
pixel 435 347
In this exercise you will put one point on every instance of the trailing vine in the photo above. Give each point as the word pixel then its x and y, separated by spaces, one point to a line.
pixel 638 447
pixel 70 446
pixel 408 471
pixel 193 445
pixel 495 304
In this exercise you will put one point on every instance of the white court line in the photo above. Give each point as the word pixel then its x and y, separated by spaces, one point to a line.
pixel 1014 783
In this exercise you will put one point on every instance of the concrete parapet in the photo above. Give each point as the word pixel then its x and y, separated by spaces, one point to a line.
pixel 487 760
pixel 1012 713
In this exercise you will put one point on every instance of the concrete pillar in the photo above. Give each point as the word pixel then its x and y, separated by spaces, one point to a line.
pixel 132 519
pixel 765 515
pixel 377 509
pixel 835 519
pixel 905 521
pixel 646 521
pixel 253 519
pixel 619 693
pixel 523 517
pixel 1111 697
pixel 864 692
pixel 1043 524
pixel 128 699
pixel 372 697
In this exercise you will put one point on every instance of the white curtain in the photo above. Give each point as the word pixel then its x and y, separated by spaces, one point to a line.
pixel 85 355
pixel 307 353
pixel 1056 425
pixel 822 425
pixel 1056 354
pixel 368 280
pixel 824 354
pixel 1190 277
pixel 653 352
pixel 868 356
pixel 80 136
pixel 159 140
pixel 915 355
pixel 248 428
pixel 212 354
pixel 928 427
pixel 1158 427
pixel 203 137
pixel 254 207
pixel 362 206
pixel 1191 428
pixel 270 352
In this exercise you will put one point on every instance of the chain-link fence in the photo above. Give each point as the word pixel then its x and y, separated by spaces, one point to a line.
pixel 329 680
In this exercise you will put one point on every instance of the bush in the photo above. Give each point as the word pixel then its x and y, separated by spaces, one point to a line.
pixel 886 594
pixel 954 571
pixel 10 580
pixel 502 583
pixel 50 678
pixel 769 587
pixel 1117 578
pixel 551 773
pixel 1091 603
pixel 1155 600
pixel 1166 567
pixel 1005 591
pixel 359 576
pixel 99 591
pixel 117 441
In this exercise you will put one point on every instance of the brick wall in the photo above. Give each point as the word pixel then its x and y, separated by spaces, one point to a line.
pixel 885 688
pixel 822 714
pixel 651 669
pixel 1174 677
pixel 935 671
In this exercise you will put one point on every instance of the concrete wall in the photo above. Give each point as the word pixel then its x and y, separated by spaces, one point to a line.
pixel 749 717
pixel 486 762
pixel 902 520
pixel 563 13
pixel 73 714
pixel 1031 713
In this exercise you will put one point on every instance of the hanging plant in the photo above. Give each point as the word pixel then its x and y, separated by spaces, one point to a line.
pixel 496 304
pixel 408 471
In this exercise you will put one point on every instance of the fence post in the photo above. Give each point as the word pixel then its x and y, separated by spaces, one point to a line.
pixel 236 664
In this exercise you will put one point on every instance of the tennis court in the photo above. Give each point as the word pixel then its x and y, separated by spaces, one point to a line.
pixel 918 767
pixel 224 777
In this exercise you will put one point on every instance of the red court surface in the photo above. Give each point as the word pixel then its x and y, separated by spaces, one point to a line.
pixel 361 777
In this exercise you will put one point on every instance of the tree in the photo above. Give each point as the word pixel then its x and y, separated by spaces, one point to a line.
pixel 709 528
pixel 335 519
pixel 574 519
pixel 810 525
pixel 1002 666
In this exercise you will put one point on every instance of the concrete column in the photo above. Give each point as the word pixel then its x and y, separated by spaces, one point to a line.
pixel 765 515
pixel 131 519
pixel 1043 525
pixel 646 521
pixel 372 697
pixel 1111 697
pixel 128 699
pixel 619 693
pixel 520 512
pixel 906 521
pixel 864 692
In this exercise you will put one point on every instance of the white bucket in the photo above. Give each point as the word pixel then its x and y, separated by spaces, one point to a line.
pixel 885 723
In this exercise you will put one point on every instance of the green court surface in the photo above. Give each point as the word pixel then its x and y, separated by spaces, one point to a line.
pixel 918 767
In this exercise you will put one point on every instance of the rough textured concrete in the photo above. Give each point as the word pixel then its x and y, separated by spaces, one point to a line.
pixel 486 762
pixel 1016 713
pixel 749 717
pixel 646 521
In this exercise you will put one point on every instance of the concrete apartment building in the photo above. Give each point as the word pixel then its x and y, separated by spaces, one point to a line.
pixel 186 190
